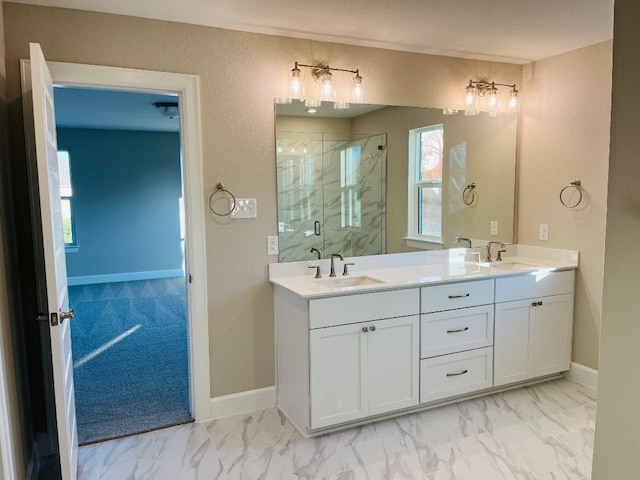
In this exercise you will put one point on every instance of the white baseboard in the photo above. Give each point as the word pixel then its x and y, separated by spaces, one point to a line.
pixel 243 402
pixel 583 375
pixel 124 277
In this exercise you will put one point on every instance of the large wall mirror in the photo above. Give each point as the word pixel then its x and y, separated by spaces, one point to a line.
pixel 342 178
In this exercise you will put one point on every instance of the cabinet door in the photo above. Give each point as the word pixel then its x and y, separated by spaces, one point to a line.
pixel 552 321
pixel 513 359
pixel 394 362
pixel 338 358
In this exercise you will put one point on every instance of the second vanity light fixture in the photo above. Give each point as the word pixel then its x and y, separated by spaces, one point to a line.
pixel 326 86
pixel 485 96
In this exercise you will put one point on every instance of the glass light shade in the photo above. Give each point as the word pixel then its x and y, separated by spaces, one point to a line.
pixel 514 101
pixel 493 101
pixel 356 94
pixel 296 84
pixel 338 105
pixel 313 103
pixel 471 101
pixel 327 89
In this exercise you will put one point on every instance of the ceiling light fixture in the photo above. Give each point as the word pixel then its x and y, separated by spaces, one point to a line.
pixel 485 96
pixel 168 109
pixel 327 90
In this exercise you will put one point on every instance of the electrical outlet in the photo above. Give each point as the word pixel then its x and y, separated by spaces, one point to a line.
pixel 494 228
pixel 544 232
pixel 272 245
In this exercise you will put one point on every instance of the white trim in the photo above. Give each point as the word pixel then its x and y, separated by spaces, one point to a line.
pixel 124 277
pixel 583 375
pixel 7 453
pixel 424 243
pixel 188 88
pixel 243 402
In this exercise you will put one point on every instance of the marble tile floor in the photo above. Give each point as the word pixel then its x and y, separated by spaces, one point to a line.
pixel 537 432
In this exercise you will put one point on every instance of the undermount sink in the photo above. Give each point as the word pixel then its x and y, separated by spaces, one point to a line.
pixel 510 266
pixel 348 281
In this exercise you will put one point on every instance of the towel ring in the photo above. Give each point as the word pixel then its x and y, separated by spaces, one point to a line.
pixel 573 185
pixel 220 188
pixel 469 190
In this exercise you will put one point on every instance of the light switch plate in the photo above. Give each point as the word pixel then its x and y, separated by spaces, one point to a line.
pixel 245 208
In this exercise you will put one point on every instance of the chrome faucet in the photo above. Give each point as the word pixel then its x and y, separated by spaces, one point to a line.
pixel 333 270
pixel 319 252
pixel 462 239
pixel 488 259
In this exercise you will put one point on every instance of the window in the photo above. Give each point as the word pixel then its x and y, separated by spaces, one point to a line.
pixel 66 199
pixel 350 187
pixel 425 183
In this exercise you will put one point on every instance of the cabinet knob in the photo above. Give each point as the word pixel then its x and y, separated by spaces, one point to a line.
pixel 534 304
pixel 372 328
pixel 364 329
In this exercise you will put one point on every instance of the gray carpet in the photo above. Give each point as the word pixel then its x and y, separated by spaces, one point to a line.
pixel 130 353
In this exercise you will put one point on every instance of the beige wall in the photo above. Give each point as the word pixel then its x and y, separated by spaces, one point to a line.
pixel 564 136
pixel 240 74
pixel 16 449
pixel 617 449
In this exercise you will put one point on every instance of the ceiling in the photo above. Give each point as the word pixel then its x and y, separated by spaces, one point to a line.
pixel 513 31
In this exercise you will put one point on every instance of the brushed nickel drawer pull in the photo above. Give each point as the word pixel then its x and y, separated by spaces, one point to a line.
pixel 455 374
pixel 457 330
pixel 459 296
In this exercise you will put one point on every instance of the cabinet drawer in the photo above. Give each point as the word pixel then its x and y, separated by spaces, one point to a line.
pixel 537 284
pixel 326 312
pixel 456 331
pixel 456 295
pixel 455 374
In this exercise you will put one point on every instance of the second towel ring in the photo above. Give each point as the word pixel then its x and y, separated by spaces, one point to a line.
pixel 469 190
pixel 220 188
pixel 573 185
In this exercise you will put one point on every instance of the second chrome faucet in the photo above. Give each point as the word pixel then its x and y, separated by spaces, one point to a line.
pixel 333 269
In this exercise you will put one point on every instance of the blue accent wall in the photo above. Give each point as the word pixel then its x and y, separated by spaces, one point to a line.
pixel 126 191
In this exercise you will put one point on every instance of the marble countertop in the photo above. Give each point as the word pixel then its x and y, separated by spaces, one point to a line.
pixel 415 269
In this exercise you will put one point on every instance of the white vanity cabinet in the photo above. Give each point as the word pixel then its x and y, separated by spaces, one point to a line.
pixel 533 326
pixel 456 339
pixel 344 358
pixel 363 369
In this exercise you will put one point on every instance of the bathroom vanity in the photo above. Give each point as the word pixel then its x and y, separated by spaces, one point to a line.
pixel 409 331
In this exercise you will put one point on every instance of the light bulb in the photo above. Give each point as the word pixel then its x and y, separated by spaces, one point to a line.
pixel 493 101
pixel 296 85
pixel 356 94
pixel 327 92
pixel 470 101
pixel 514 101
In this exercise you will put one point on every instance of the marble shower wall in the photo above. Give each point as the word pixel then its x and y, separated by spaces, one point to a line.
pixel 337 182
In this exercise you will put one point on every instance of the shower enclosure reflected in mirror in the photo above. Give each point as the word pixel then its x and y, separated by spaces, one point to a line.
pixel 342 178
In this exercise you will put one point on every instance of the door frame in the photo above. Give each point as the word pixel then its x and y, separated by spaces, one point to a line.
pixel 187 87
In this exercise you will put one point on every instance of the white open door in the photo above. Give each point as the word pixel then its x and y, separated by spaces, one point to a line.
pixel 55 263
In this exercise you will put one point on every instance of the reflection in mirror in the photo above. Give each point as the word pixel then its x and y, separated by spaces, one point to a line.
pixel 342 178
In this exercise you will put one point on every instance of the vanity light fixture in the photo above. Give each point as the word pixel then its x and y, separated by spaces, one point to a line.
pixel 323 76
pixel 485 96
pixel 168 109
